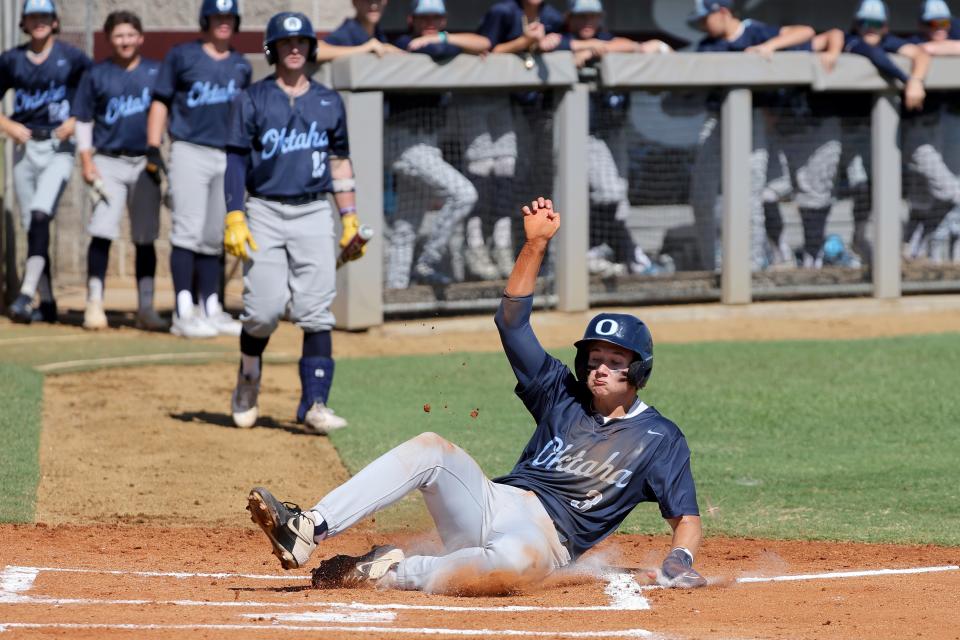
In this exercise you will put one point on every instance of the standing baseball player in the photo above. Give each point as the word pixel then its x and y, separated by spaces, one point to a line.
pixel 111 109
pixel 287 146
pixel 197 82
pixel 44 74
pixel 413 153
pixel 597 451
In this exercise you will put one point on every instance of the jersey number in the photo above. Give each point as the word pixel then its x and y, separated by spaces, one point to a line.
pixel 319 163
pixel 593 497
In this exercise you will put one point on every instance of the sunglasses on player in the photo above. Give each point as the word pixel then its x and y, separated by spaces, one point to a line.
pixel 940 24
pixel 872 25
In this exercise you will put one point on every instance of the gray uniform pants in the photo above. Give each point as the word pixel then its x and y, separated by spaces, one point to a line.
pixel 293 268
pixel 486 528
pixel 416 157
pixel 199 205
pixel 127 185
pixel 947 235
pixel 491 139
pixel 41 169
pixel 705 192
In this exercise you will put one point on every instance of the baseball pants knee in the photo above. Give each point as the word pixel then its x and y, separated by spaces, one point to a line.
pixel 40 174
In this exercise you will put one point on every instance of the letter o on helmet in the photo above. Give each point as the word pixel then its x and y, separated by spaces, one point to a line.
pixel 288 24
pixel 219 8
pixel 623 330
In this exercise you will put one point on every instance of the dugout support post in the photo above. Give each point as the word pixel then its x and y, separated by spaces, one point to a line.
pixel 886 200
pixel 359 301
pixel 571 126
pixel 737 137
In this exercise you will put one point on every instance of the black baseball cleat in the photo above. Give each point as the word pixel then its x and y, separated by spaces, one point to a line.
pixel 21 310
pixel 45 312
pixel 289 529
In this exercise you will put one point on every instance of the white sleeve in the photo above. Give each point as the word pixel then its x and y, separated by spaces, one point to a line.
pixel 83 132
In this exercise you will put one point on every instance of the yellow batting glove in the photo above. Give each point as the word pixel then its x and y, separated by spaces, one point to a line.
pixel 351 225
pixel 236 235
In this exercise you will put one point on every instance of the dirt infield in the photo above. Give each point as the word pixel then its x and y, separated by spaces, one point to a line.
pixel 142 477
pixel 222 583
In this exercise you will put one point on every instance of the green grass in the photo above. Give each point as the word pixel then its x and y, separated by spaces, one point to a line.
pixel 21 396
pixel 853 440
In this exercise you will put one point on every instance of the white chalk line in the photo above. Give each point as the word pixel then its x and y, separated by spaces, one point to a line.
pixel 485 633
pixel 138 359
pixel 326 616
pixel 161 574
pixel 850 574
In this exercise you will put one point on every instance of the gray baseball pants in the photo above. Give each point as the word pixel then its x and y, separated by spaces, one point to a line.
pixel 199 206
pixel 486 528
pixel 41 169
pixel 417 156
pixel 127 185
pixel 705 191
pixel 947 235
pixel 293 268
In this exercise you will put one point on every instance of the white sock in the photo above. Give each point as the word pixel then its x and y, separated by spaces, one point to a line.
pixel 184 304
pixel 145 292
pixel 211 306
pixel 475 233
pixel 250 366
pixel 31 275
pixel 501 233
pixel 94 290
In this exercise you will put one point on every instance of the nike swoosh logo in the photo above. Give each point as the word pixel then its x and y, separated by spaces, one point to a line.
pixel 653 433
pixel 325 103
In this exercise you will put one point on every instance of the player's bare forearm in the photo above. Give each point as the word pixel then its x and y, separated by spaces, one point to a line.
pixel 791 36
pixel 687 533
pixel 523 278
pixel 942 48
pixel 920 58
pixel 828 42
pixel 518 45
pixel 341 169
pixel 470 42
pixel 156 123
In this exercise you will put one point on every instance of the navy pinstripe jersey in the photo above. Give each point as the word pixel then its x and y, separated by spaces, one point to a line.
pixel 43 92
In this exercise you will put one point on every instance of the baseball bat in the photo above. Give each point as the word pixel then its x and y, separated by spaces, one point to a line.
pixel 355 246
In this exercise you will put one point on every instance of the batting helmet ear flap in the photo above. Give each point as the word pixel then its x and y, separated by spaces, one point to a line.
pixel 639 372
pixel 270 53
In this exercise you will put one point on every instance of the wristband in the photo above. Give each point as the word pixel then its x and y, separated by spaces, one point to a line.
pixel 443 37
pixel 348 209
pixel 344 185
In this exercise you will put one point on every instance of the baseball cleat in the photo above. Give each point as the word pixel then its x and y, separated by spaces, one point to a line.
pixel 479 265
pixel 224 323
pixel 192 327
pixel 321 419
pixel 354 571
pixel 243 403
pixel 425 274
pixel 289 529
pixel 20 310
pixel 46 311
pixel 150 320
pixel 504 260
pixel 94 318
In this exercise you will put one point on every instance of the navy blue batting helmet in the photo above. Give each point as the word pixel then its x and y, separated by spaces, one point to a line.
pixel 288 24
pixel 623 330
pixel 216 8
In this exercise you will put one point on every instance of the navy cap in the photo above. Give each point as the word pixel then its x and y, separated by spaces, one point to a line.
pixel 38 6
pixel 586 6
pixel 428 8
pixel 875 10
pixel 703 8
pixel 934 10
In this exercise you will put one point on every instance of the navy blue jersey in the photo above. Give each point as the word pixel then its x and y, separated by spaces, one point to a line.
pixel 199 90
pixel 42 92
pixel 752 34
pixel 352 34
pixel 290 145
pixel 589 474
pixel 117 101
pixel 503 21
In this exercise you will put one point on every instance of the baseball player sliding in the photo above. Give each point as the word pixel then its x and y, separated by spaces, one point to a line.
pixel 197 82
pixel 287 147
pixel 597 451
pixel 44 74
pixel 111 110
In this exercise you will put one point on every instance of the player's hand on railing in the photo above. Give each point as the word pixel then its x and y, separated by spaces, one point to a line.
pixel 678 571
pixel 351 226
pixel 764 50
pixel 550 42
pixel 914 94
pixel 828 60
pixel 236 235
pixel 540 221
pixel 534 33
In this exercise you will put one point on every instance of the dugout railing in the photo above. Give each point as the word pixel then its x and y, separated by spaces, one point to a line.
pixel 364 80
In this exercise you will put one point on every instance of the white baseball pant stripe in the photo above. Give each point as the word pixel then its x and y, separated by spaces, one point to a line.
pixel 199 205
pixel 293 269
pixel 127 186
pixel 41 169
pixel 485 527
